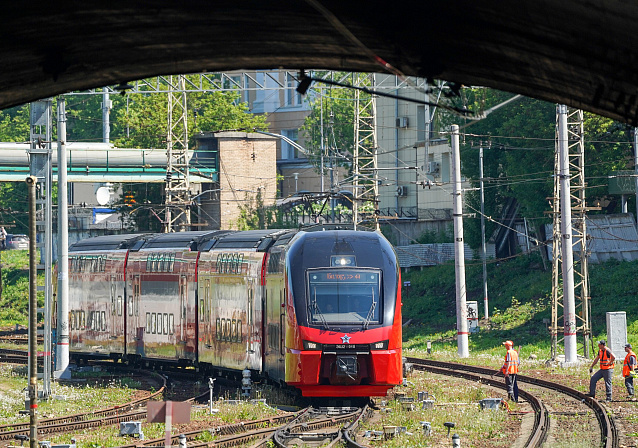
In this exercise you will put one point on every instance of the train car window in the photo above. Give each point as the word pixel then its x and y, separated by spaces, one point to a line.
pixel 218 329
pixel 82 319
pixel 90 326
pixel 207 296
pixel 182 295
pixel 240 336
pixel 103 320
pixel 171 330
pixel 201 310
pixel 165 316
pixel 130 305
pixel 162 265
pixel 223 338
pixel 113 297
pixel 148 322
pixel 250 306
pixel 75 320
pixel 119 305
pixel 233 330
pixel 228 330
pixel 71 320
pixel 153 323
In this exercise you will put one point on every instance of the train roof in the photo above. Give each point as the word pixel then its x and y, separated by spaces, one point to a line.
pixel 182 240
pixel 259 240
pixel 107 242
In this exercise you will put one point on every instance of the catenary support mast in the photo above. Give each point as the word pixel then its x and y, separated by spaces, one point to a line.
pixel 459 250
pixel 366 185
pixel 570 253
pixel 177 215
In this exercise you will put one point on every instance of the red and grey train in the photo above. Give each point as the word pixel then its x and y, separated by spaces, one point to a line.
pixel 316 310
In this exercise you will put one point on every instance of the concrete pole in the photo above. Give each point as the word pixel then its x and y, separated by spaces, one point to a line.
pixel 33 316
pixel 569 301
pixel 62 353
pixel 106 110
pixel 459 250
pixel 484 246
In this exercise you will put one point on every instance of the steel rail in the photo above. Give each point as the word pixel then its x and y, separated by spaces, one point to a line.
pixel 8 431
pixel 541 427
pixel 74 426
pixel 236 431
pixel 608 430
pixel 285 433
pixel 350 433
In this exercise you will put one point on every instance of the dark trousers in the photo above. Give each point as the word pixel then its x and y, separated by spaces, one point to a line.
pixel 629 384
pixel 510 380
pixel 606 374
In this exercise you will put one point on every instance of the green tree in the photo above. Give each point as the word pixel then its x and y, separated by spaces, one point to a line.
pixel 338 107
pixel 519 148
pixel 14 124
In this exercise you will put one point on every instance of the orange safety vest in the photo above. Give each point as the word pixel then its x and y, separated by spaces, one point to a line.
pixel 605 360
pixel 511 366
pixel 625 367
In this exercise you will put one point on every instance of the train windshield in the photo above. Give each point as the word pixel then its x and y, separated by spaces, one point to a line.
pixel 344 296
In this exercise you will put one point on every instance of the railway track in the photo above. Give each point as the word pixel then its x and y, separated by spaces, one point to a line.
pixel 227 435
pixel 608 433
pixel 319 427
pixel 93 419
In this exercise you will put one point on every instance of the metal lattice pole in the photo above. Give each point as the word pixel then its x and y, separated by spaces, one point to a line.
pixel 177 216
pixel 366 185
pixel 41 168
pixel 580 321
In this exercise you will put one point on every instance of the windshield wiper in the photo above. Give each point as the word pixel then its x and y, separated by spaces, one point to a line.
pixel 315 309
pixel 370 315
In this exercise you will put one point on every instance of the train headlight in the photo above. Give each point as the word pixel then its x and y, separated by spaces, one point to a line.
pixel 342 261
pixel 307 345
pixel 382 345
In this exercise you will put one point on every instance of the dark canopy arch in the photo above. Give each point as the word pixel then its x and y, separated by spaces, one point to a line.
pixel 579 52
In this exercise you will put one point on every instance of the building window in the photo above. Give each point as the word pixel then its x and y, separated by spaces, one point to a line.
pixel 292 97
pixel 289 152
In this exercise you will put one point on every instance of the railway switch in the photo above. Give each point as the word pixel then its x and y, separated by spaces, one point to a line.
pixel 427 428
pixel 490 403
pixel 131 429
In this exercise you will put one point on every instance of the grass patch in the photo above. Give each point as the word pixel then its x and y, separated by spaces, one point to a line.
pixel 520 297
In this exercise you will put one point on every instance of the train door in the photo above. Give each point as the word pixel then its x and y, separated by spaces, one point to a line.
pixel 282 331
pixel 114 326
pixel 133 313
pixel 208 325
pixel 183 283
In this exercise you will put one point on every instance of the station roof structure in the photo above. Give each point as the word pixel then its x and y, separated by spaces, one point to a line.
pixel 582 53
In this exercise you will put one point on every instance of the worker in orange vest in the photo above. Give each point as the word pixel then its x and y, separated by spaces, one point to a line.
pixel 629 370
pixel 510 370
pixel 607 359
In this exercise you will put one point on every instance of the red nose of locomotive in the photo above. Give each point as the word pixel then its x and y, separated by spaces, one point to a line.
pixel 349 369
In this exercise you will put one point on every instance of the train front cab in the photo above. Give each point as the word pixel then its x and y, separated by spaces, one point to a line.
pixel 343 315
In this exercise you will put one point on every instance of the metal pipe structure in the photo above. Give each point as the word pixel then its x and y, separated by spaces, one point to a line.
pixel 484 246
pixel 33 317
pixel 459 250
pixel 62 352
pixel 569 301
